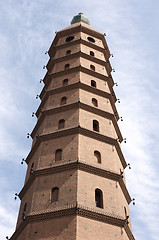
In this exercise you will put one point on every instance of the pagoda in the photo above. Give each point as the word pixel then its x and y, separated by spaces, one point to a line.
pixel 75 184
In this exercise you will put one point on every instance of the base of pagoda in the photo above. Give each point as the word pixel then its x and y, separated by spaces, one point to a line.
pixel 70 212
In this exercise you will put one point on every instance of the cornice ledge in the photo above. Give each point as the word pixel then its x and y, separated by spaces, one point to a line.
pixel 125 191
pixel 81 105
pixel 128 232
pixel 52 61
pixel 75 209
pixel 83 166
pixel 79 130
pixel 81 86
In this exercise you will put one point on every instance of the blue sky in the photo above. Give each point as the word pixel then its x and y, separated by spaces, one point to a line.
pixel 27 30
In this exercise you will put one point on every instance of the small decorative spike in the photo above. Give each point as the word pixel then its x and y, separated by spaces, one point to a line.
pixel 16 195
pixel 133 201
pixel 22 161
pixel 121 119
pixel 129 165
pixel 28 135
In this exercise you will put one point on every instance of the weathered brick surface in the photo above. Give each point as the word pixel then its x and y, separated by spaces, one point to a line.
pixel 94 230
pixel 101 84
pixel 113 199
pixel 109 156
pixel 63 228
pixel 58 81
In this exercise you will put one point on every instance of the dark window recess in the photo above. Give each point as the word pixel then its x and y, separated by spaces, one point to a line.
pixel 31 169
pixel 125 212
pixel 69 39
pixel 91 39
pixel 63 101
pixel 92 53
pixel 67 66
pixel 96 125
pixel 95 102
pixel 92 67
pixel 93 83
pixel 65 82
pixel 98 156
pixel 99 198
pixel 58 155
pixel 24 211
pixel 68 52
pixel 54 194
pixel 61 124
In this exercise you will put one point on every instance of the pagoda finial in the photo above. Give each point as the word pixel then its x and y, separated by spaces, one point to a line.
pixel 80 17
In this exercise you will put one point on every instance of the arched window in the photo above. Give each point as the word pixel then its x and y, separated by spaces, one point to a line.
pixel 99 198
pixel 92 53
pixel 91 39
pixel 31 169
pixel 24 211
pixel 58 155
pixel 67 66
pixel 68 52
pixel 65 82
pixel 92 67
pixel 68 39
pixel 96 125
pixel 95 102
pixel 54 194
pixel 93 83
pixel 98 156
pixel 125 212
pixel 61 124
pixel 63 100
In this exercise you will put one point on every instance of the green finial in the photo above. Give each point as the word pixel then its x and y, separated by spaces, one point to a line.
pixel 80 17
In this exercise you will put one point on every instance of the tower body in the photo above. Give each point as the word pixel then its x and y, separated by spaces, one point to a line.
pixel 75 184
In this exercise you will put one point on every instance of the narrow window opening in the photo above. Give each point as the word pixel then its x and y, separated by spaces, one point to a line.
pixel 97 154
pixel 32 168
pixel 91 39
pixel 58 155
pixel 54 194
pixel 63 101
pixel 24 211
pixel 125 212
pixel 99 198
pixel 95 102
pixel 65 82
pixel 68 52
pixel 92 67
pixel 61 124
pixel 96 125
pixel 93 83
pixel 68 39
pixel 67 66
pixel 92 53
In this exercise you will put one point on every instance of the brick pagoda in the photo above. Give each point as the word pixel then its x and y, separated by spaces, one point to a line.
pixel 75 185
